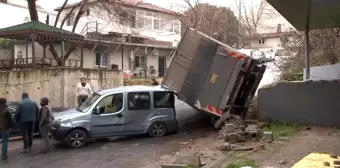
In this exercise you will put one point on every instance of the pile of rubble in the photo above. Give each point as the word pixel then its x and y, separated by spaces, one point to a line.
pixel 235 131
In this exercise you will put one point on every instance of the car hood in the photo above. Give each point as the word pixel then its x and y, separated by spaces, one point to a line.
pixel 68 114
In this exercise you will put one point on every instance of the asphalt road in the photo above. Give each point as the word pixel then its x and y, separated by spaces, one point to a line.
pixel 118 152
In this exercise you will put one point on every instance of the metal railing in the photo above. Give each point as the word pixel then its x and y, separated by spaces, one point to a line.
pixel 23 63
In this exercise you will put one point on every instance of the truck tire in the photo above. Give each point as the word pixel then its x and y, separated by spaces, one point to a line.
pixel 77 138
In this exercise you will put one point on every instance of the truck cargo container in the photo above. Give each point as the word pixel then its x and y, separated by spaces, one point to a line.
pixel 211 76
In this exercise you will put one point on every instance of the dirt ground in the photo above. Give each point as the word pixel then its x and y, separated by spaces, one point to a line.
pixel 283 149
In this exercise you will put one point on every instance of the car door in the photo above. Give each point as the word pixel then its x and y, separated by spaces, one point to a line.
pixel 15 130
pixel 137 112
pixel 108 117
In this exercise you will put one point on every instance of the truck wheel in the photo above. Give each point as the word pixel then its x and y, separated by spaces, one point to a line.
pixel 157 129
pixel 77 138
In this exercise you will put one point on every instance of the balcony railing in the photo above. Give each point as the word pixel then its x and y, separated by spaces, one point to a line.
pixel 23 63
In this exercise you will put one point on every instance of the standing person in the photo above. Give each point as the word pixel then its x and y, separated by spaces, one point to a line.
pixel 45 123
pixel 26 114
pixel 154 82
pixel 83 91
pixel 5 125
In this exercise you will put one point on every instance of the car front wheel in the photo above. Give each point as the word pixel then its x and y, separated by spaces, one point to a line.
pixel 77 138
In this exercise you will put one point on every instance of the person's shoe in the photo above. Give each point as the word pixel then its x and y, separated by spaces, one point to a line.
pixel 4 157
pixel 24 151
pixel 45 151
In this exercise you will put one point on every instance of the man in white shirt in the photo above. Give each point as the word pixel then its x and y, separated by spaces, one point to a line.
pixel 83 91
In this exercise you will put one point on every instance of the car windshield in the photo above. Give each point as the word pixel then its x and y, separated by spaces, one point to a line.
pixel 88 103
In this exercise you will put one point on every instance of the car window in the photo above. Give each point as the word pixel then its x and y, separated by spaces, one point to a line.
pixel 163 99
pixel 139 101
pixel 89 102
pixel 110 104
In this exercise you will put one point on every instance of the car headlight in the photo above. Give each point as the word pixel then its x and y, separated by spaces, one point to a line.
pixel 56 123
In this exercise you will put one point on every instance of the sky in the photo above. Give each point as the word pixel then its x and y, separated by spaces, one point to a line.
pixel 170 4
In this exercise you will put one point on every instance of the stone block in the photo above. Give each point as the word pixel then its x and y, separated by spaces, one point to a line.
pixel 250 134
pixel 230 137
pixel 224 146
pixel 229 128
pixel 268 136
pixel 240 137
pixel 191 160
pixel 173 166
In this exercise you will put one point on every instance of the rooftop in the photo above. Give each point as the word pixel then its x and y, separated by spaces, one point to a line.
pixel 130 3
pixel 131 88
pixel 273 35
pixel 322 13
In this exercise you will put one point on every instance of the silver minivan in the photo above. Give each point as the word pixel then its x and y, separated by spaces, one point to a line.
pixel 125 110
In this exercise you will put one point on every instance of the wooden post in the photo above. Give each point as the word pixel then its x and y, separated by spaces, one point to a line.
pixel 33 51
pixel 82 55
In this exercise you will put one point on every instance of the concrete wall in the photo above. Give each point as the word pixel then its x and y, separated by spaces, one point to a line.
pixel 327 72
pixel 308 103
pixel 56 83
pixel 6 54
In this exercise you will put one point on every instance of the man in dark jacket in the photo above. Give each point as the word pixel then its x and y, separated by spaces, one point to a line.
pixel 26 114
pixel 5 125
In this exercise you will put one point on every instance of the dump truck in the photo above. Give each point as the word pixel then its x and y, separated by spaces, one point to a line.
pixel 212 76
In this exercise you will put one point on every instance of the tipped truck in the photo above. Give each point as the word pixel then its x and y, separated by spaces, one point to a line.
pixel 212 77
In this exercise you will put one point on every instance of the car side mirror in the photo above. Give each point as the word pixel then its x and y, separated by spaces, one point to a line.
pixel 96 111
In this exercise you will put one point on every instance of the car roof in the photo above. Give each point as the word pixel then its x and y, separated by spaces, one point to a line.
pixel 135 88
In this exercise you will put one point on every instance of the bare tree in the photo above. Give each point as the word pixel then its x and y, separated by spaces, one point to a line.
pixel 219 22
pixel 325 49
pixel 251 15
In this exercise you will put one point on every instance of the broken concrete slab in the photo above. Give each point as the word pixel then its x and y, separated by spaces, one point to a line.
pixel 173 166
pixel 240 137
pixel 185 159
pixel 251 127
pixel 242 148
pixel 268 136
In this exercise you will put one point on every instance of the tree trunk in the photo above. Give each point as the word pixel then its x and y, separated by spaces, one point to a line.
pixel 33 10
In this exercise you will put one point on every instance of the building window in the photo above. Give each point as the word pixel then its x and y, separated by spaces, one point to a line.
pixel 101 59
pixel 155 21
pixel 261 41
pixel 139 101
pixel 139 61
pixel 70 20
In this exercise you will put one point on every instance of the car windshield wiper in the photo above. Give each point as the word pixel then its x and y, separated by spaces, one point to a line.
pixel 78 109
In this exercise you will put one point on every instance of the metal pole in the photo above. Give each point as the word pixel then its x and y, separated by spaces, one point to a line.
pixel 26 44
pixel 145 66
pixel 307 45
pixel 238 45
pixel 122 56
pixel 62 50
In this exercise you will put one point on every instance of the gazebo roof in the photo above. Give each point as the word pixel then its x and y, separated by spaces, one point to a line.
pixel 323 13
pixel 43 31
